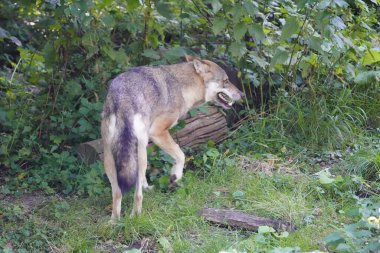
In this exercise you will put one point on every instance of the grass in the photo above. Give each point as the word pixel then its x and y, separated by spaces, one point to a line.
pixel 170 220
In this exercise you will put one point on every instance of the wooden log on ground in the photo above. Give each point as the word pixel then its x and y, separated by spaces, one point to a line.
pixel 237 219
pixel 198 129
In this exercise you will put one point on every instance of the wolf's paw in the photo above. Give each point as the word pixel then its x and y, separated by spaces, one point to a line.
pixel 148 188
pixel 173 182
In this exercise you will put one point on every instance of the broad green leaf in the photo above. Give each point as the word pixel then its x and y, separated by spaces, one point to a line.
pixel 338 40
pixel 284 234
pixel 72 89
pixel 219 25
pixel 108 20
pixel 341 3
pixel 49 54
pixel 343 247
pixel 334 238
pixel 258 60
pixel 150 53
pixel 237 49
pixel 324 4
pixel 16 41
pixel 282 250
pixel 133 4
pixel 371 56
pixel 132 251
pixel 338 23
pixel 256 31
pixel 239 31
pixel 291 27
pixel 173 54
pixel 216 5
pixel 301 3
pixel 164 10
pixel 251 7
pixel 238 194
pixel 166 246
pixel 367 77
pixel 265 230
pixel 281 56
pixel 325 177
pixel 4 33
pixel 237 13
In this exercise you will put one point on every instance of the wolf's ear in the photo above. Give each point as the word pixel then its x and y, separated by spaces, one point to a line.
pixel 200 66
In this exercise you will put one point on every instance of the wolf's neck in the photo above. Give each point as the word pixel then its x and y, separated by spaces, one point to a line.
pixel 192 86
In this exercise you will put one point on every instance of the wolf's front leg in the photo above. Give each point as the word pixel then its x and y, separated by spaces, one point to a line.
pixel 166 143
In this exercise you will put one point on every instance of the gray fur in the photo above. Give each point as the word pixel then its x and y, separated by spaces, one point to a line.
pixel 159 96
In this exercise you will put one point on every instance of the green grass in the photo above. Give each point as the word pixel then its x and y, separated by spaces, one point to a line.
pixel 170 220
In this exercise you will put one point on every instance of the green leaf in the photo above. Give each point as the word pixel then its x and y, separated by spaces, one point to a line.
pixel 237 49
pixel 132 251
pixel 291 27
pixel 150 53
pixel 281 56
pixel 108 20
pixel 265 230
pixel 324 4
pixel 371 56
pixel 334 238
pixel 341 3
pixel 325 177
pixel 164 10
pixel 367 77
pixel 338 23
pixel 343 247
pixel 132 4
pixel 72 89
pixel 219 25
pixel 239 31
pixel 238 194
pixel 165 244
pixel 283 250
pixel 258 60
pixel 216 5
pixel 251 7
pixel 256 31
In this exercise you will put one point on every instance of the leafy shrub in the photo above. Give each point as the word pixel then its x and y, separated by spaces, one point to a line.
pixel 360 236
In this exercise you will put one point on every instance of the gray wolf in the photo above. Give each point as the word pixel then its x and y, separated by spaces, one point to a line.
pixel 144 103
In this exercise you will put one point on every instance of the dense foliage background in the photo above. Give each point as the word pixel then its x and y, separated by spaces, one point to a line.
pixel 310 69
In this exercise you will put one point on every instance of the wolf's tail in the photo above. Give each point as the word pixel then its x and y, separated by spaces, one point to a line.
pixel 124 150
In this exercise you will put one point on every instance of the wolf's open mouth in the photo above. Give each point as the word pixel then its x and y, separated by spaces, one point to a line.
pixel 225 99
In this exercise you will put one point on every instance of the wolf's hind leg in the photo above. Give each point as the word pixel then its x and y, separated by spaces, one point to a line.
pixel 142 143
pixel 109 165
pixel 166 143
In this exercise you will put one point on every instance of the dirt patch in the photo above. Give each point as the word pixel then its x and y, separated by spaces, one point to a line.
pixel 29 201
pixel 267 167
pixel 146 245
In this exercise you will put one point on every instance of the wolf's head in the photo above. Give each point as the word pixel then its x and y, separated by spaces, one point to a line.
pixel 218 89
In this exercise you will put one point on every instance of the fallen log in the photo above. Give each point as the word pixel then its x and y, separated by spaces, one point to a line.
pixel 199 129
pixel 238 219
